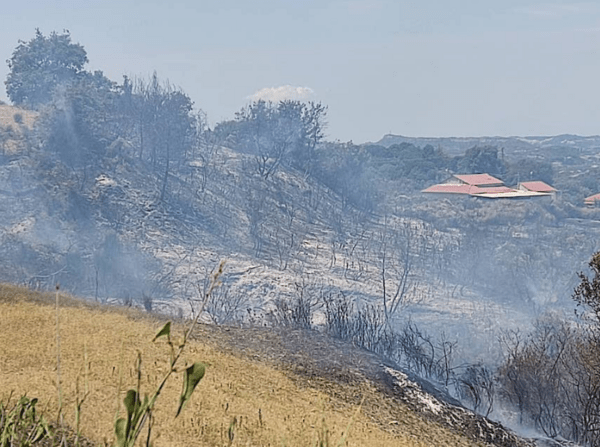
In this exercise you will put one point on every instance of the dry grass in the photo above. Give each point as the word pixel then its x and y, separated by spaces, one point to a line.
pixel 14 122
pixel 7 116
pixel 271 408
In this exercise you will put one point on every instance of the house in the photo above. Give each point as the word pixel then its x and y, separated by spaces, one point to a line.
pixel 487 186
pixel 466 184
pixel 592 200
pixel 479 180
pixel 537 186
pixel 450 188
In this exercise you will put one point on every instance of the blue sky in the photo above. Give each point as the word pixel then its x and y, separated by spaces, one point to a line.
pixel 416 68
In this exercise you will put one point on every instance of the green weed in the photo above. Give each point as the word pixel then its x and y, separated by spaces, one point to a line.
pixel 21 425
pixel 127 430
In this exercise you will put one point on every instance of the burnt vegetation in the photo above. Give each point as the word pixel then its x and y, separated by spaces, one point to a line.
pixel 123 192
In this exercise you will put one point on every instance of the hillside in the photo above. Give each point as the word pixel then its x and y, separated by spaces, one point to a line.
pixel 338 276
pixel 342 244
pixel 275 396
pixel 103 232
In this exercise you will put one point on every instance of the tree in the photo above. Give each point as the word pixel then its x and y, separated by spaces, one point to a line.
pixel 313 132
pixel 81 121
pixel 39 66
pixel 277 132
pixel 479 160
pixel 527 169
pixel 553 374
pixel 163 125
pixel 345 169
pixel 402 251
pixel 587 293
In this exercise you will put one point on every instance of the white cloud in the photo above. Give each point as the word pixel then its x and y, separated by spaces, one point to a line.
pixel 281 93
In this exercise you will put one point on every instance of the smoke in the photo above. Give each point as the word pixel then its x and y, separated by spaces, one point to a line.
pixel 282 93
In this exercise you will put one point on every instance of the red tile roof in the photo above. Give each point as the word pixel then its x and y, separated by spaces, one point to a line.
pixel 478 179
pixel 592 199
pixel 537 186
pixel 492 190
pixel 484 185
pixel 450 188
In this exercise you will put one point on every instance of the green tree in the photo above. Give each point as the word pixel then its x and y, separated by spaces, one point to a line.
pixel 81 121
pixel 527 169
pixel 39 66
pixel 285 132
pixel 479 160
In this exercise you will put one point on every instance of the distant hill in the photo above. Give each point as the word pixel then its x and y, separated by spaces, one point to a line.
pixel 515 144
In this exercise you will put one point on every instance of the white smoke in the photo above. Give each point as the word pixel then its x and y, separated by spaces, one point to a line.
pixel 281 93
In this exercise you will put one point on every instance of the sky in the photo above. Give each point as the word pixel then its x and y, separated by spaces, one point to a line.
pixel 415 68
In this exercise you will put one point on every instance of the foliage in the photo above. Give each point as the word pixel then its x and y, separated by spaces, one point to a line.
pixel 552 376
pixel 160 122
pixel 81 122
pixel 275 133
pixel 94 123
pixel 127 430
pixel 345 168
pixel 548 381
pixel 21 425
pixel 92 120
pixel 479 160
pixel 527 169
pixel 406 161
pixel 587 293
pixel 39 66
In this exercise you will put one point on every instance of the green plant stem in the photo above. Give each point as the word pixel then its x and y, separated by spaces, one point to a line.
pixel 179 352
pixel 58 378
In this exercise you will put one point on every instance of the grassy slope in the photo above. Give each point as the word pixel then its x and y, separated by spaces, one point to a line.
pixel 292 411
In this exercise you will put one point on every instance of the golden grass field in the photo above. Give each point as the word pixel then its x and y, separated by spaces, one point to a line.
pixel 291 413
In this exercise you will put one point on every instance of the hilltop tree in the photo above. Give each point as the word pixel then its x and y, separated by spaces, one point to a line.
pixel 314 122
pixel 39 66
pixel 276 133
pixel 162 124
pixel 80 122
